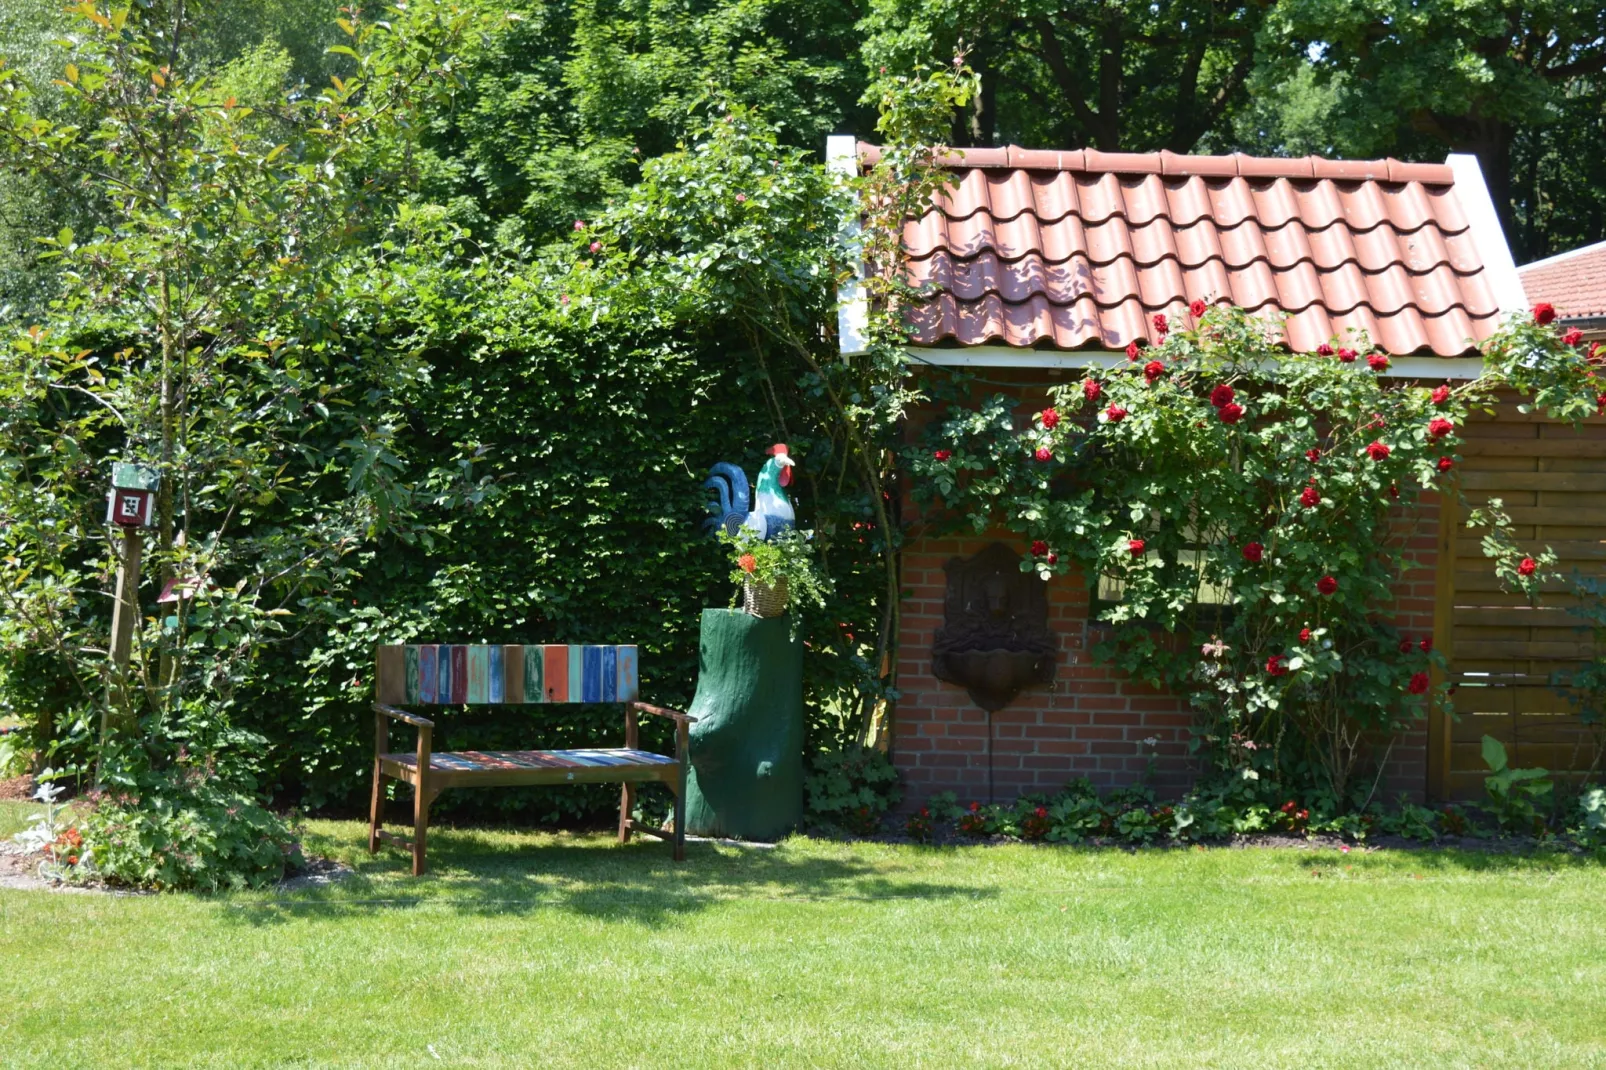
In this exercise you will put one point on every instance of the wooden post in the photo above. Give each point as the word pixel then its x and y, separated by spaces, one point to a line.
pixel 117 715
pixel 422 797
pixel 627 793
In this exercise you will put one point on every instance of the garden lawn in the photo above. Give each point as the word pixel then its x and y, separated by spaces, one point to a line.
pixel 559 950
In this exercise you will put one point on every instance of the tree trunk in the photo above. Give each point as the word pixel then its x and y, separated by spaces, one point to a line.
pixel 746 775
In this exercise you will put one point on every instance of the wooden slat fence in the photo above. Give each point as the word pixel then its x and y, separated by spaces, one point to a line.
pixel 1502 650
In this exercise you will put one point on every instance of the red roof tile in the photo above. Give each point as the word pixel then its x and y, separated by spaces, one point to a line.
pixel 1080 249
pixel 1574 282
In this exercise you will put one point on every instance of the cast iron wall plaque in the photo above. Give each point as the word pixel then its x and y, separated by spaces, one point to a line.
pixel 995 640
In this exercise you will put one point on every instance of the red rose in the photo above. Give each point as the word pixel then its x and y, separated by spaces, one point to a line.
pixel 1438 427
pixel 1053 558
pixel 1324 350
pixel 1327 585
pixel 1394 490
pixel 1406 646
pixel 1039 547
pixel 1198 308
pixel 1042 453
pixel 1441 394
pixel 1418 684
pixel 1572 336
pixel 1445 464
pixel 1091 389
pixel 942 455
pixel 1600 404
pixel 1377 361
pixel 1231 412
pixel 1544 313
pixel 1310 497
pixel 1594 352
pixel 1160 324
pixel 1222 395
pixel 1426 644
pixel 1304 635
pixel 1115 413
pixel 1253 552
pixel 1153 370
pixel 1132 351
pixel 1527 565
pixel 579 224
pixel 1377 451
pixel 1050 418
pixel 1135 547
pixel 1275 666
pixel 1347 356
pixel 1313 455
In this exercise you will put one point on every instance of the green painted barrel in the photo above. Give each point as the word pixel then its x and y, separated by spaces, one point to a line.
pixel 746 776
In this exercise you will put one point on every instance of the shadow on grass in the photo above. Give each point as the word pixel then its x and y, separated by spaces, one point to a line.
pixel 485 873
pixel 1494 859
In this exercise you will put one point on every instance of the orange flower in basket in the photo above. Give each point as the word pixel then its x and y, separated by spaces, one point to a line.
pixel 748 562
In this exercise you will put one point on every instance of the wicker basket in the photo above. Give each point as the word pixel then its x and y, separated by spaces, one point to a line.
pixel 762 600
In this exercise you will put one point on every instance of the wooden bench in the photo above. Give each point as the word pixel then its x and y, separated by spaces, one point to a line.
pixel 439 675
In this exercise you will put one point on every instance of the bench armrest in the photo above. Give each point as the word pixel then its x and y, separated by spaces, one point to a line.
pixel 403 715
pixel 659 711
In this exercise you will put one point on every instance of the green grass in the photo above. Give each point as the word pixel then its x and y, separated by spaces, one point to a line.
pixel 554 950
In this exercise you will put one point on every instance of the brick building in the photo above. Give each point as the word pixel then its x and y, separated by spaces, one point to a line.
pixel 1043 263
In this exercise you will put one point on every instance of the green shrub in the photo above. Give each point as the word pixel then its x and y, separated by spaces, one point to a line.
pixel 851 789
pixel 188 835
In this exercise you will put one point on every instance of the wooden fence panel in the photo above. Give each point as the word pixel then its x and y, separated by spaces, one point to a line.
pixel 1503 652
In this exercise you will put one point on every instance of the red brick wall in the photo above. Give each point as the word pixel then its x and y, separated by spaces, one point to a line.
pixel 1093 721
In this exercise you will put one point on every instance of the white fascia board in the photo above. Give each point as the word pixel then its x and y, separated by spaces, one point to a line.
pixel 1459 368
pixel 852 303
pixel 1484 225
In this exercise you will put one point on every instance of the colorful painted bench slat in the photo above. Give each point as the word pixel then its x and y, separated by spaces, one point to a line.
pixel 437 674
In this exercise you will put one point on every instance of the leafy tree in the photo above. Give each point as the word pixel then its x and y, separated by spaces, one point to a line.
pixel 1120 77
pixel 562 102
pixel 199 331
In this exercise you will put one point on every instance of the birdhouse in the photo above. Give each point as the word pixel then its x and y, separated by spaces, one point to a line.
pixel 132 501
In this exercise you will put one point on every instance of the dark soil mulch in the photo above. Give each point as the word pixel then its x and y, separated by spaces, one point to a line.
pixel 16 789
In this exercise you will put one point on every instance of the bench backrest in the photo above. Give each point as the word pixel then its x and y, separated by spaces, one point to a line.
pixel 433 674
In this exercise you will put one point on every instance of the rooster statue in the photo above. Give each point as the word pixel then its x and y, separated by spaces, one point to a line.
pixel 734 507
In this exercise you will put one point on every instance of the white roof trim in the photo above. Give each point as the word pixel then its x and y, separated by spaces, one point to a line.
pixel 852 304
pixel 1009 357
pixel 1473 193
pixel 1583 250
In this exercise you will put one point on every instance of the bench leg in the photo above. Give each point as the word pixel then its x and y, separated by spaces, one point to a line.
pixel 421 801
pixel 376 811
pixel 627 805
pixel 680 815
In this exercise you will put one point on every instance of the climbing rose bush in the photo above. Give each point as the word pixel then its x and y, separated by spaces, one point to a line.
pixel 1252 511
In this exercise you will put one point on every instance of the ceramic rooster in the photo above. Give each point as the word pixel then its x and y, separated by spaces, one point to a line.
pixel 768 513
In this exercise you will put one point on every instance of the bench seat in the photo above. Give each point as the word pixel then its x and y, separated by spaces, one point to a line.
pixel 503 768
